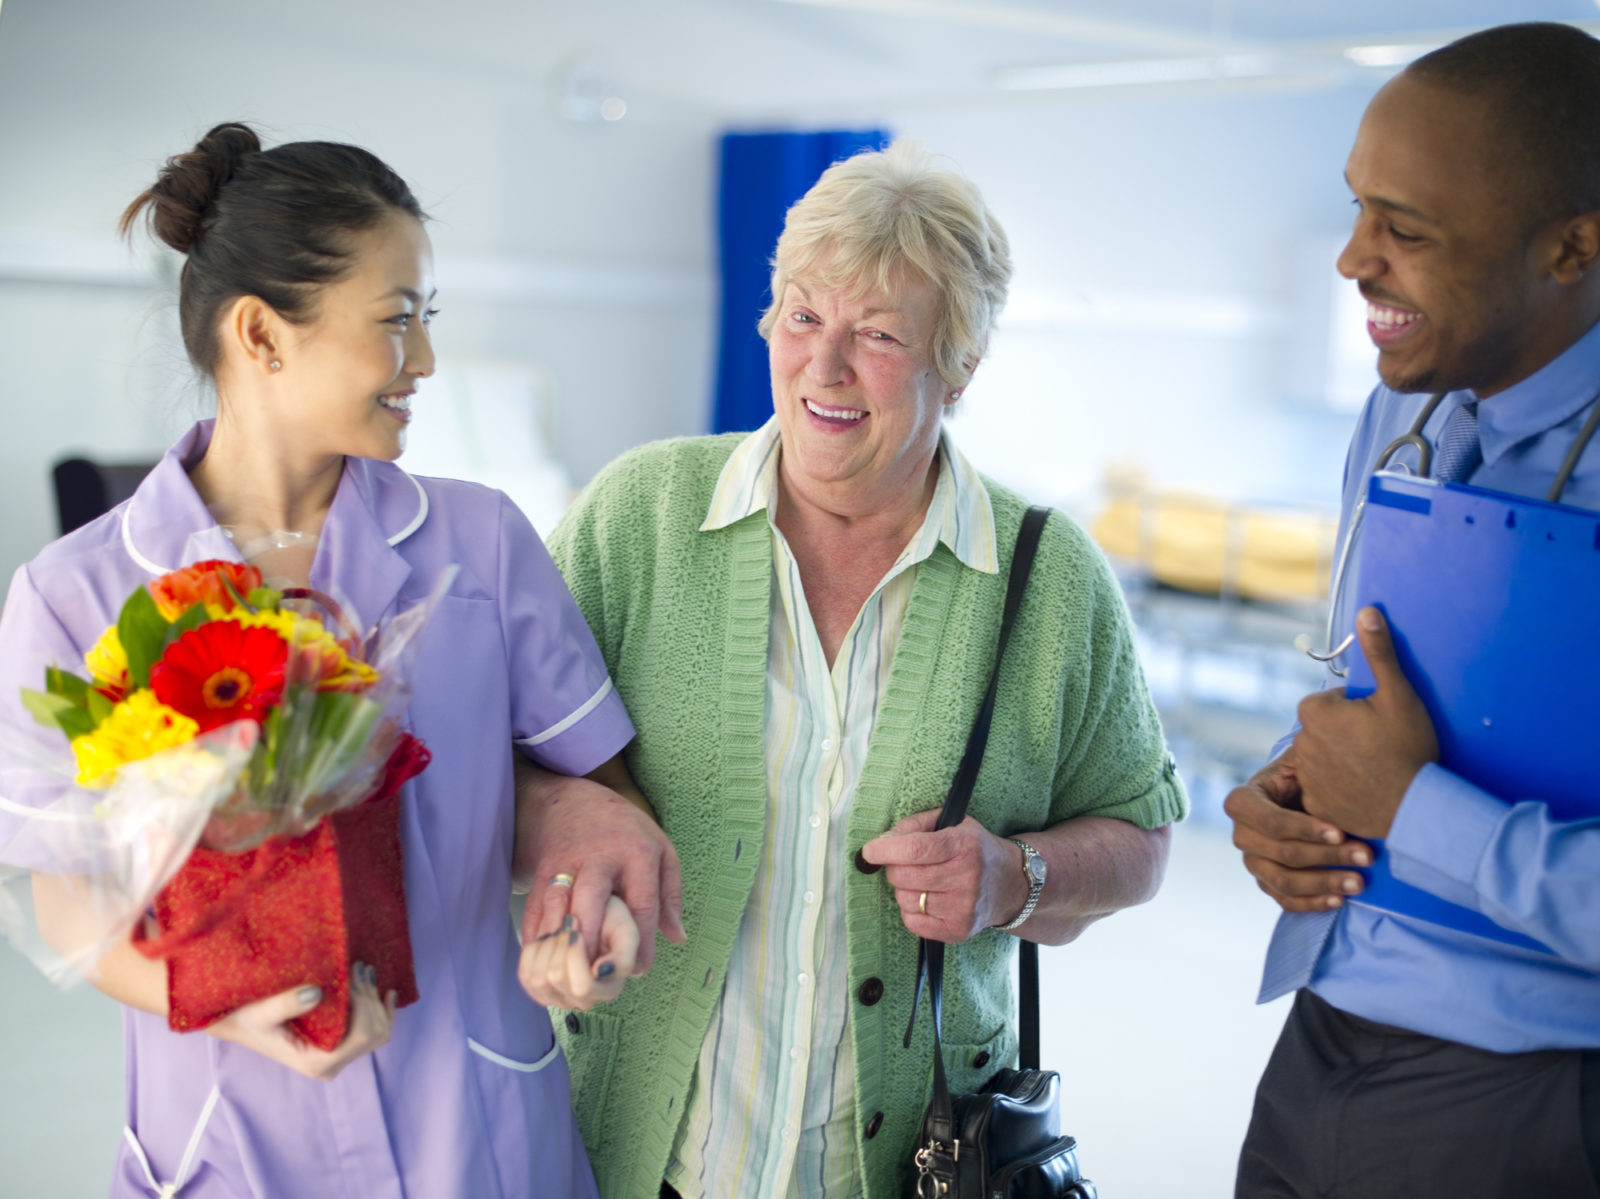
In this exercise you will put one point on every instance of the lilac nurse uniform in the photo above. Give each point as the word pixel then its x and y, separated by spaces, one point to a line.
pixel 469 1098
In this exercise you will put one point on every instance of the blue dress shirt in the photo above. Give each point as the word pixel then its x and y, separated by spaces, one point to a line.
pixel 1501 855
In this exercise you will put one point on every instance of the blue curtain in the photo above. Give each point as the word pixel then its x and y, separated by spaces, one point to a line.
pixel 762 175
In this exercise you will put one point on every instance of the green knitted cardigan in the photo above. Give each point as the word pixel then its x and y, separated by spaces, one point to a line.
pixel 682 619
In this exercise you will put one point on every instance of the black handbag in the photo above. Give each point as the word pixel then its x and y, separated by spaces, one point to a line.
pixel 1004 1141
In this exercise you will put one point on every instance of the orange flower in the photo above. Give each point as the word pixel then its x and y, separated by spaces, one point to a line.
pixel 203 583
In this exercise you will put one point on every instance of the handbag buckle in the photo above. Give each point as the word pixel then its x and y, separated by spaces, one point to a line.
pixel 929 1187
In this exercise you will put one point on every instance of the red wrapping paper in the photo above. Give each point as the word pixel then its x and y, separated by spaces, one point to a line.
pixel 239 927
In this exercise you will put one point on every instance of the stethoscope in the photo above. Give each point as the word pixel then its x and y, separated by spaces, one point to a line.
pixel 1414 438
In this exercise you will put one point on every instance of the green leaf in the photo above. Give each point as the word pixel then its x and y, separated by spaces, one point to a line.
pixel 264 597
pixel 58 712
pixel 141 628
pixel 99 708
pixel 47 708
pixel 193 618
pixel 66 684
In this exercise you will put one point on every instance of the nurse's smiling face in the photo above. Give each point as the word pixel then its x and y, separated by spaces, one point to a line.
pixel 856 394
pixel 347 378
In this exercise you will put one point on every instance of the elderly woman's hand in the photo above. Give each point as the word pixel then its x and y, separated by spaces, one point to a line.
pixel 580 841
pixel 951 883
pixel 556 969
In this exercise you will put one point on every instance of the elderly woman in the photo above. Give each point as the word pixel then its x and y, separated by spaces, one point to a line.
pixel 802 622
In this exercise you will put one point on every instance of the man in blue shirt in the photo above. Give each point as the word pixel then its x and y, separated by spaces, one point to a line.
pixel 1419 1060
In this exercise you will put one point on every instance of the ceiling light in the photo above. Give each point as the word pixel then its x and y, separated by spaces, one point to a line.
pixel 1385 56
pixel 1136 71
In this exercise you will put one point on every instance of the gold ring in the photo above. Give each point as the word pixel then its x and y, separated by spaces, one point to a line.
pixel 922 903
pixel 561 880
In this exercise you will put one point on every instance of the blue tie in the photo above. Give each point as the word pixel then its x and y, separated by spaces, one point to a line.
pixel 1299 938
pixel 1458 451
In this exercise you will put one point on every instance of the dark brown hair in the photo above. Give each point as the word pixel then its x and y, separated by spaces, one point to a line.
pixel 1540 81
pixel 276 224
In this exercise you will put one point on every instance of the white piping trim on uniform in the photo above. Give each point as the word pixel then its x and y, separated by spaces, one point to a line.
pixel 169 1190
pixel 416 521
pixel 133 550
pixel 557 729
pixel 9 805
pixel 500 1059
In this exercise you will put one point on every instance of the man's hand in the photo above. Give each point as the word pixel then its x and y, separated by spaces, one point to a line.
pixel 1355 758
pixel 607 845
pixel 1287 850
pixel 972 879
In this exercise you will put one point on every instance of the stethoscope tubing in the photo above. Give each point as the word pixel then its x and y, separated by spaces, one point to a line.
pixel 1414 438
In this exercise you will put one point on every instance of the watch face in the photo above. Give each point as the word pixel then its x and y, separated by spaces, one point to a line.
pixel 1036 867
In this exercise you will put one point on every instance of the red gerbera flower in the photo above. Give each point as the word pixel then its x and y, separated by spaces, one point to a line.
pixel 221 672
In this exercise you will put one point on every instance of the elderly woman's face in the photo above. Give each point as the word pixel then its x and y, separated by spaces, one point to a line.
pixel 857 397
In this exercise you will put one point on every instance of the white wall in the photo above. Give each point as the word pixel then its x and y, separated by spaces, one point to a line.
pixel 1161 281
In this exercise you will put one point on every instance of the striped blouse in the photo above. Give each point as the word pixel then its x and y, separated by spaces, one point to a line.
pixel 771 1111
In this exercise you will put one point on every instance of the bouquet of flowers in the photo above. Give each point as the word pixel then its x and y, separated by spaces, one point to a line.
pixel 241 747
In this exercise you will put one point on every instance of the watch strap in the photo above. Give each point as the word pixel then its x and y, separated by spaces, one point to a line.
pixel 1035 886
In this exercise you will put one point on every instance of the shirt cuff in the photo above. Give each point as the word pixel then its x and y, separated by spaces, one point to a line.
pixel 594 734
pixel 1441 833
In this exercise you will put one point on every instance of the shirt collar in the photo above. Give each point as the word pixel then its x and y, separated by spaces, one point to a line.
pixel 1554 393
pixel 166 525
pixel 959 515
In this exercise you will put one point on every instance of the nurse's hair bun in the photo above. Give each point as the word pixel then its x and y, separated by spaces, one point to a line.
pixel 186 191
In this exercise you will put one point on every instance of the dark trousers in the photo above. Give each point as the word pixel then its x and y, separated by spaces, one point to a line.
pixel 1352 1109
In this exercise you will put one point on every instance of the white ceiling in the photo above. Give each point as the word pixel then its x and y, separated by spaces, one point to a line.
pixel 797 59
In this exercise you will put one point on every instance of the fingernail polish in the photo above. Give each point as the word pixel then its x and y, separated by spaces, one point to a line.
pixel 607 969
pixel 308 996
pixel 566 925
pixel 572 938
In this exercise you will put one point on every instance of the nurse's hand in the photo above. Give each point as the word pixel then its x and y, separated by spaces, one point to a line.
pixel 1287 851
pixel 263 1026
pixel 556 970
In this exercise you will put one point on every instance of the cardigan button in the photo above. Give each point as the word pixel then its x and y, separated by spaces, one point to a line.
pixel 981 1058
pixel 873 1125
pixel 870 991
pixel 572 1023
pixel 865 866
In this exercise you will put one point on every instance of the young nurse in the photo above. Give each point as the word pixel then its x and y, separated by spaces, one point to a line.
pixel 306 297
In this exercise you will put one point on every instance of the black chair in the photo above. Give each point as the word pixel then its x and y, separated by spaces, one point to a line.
pixel 85 489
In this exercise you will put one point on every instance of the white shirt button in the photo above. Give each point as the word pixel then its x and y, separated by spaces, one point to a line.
pixel 811 897
pixel 816 821
pixel 827 743
pixel 797 1053
pixel 804 979
pixel 788 1134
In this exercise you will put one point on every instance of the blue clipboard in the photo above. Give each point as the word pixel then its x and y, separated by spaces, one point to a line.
pixel 1494 603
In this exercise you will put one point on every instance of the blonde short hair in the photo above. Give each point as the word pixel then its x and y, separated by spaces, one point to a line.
pixel 871 218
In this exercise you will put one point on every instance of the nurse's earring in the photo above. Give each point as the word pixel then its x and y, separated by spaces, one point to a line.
pixel 274 365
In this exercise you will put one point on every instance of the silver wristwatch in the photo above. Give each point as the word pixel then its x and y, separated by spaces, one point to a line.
pixel 1033 865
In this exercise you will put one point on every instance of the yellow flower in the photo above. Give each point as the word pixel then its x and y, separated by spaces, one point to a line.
pixel 108 664
pixel 315 654
pixel 139 726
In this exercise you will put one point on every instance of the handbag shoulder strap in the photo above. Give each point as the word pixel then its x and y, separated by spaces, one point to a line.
pixel 930 954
